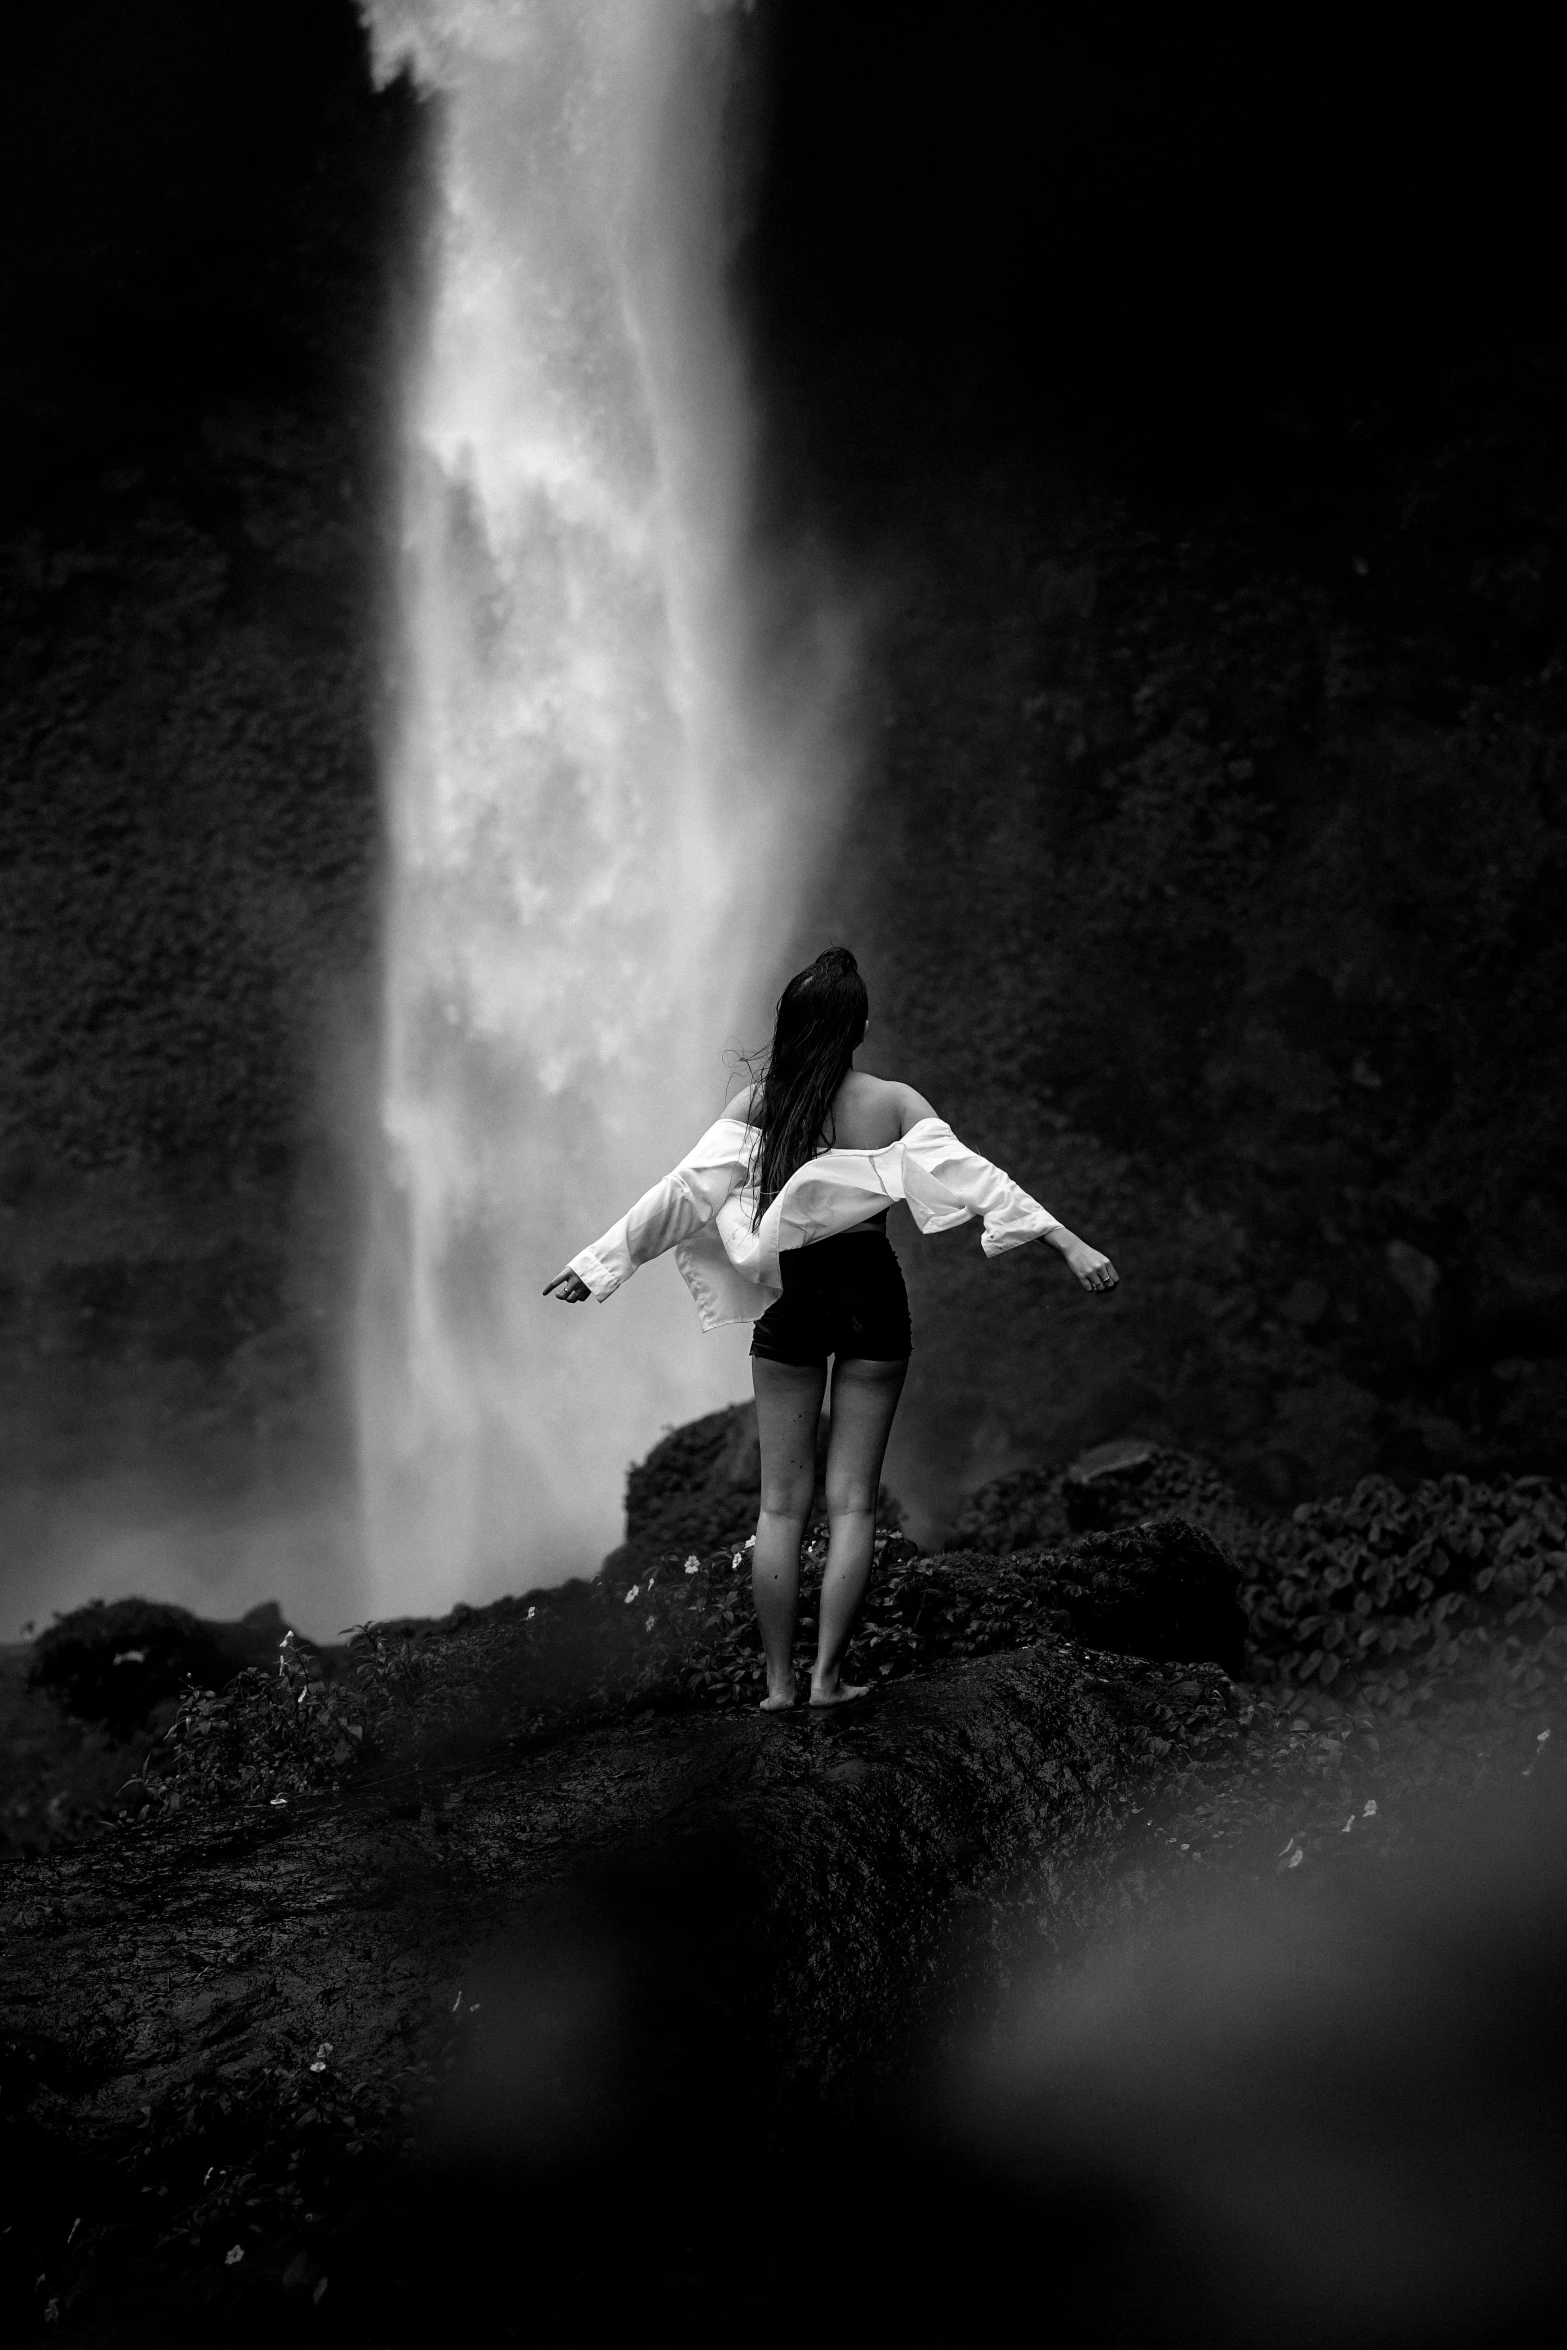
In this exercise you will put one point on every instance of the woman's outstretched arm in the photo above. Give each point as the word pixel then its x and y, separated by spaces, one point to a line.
pixel 685 1199
pixel 1093 1269
pixel 1010 1214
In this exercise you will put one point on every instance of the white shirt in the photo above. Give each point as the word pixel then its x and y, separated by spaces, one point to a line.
pixel 703 1208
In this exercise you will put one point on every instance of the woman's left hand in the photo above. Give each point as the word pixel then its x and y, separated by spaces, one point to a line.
pixel 1095 1272
pixel 569 1287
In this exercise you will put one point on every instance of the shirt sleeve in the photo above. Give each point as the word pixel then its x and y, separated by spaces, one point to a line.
pixel 685 1199
pixel 945 1183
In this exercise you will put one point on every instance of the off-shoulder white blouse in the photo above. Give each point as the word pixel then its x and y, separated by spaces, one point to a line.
pixel 702 1210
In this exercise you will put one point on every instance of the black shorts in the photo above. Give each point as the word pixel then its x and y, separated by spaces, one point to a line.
pixel 841 1296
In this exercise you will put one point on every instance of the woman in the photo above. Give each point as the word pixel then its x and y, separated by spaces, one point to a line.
pixel 779 1217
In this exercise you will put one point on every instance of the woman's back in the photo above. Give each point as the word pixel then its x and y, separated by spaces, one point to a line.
pixel 868 1112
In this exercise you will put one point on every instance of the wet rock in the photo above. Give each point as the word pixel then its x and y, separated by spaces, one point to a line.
pixel 1417 1275
pixel 619 1934
pixel 1117 1484
pixel 1026 1511
pixel 701 1486
pixel 1165 1591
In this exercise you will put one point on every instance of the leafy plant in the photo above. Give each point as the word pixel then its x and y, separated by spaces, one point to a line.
pixel 1382 1590
pixel 266 1738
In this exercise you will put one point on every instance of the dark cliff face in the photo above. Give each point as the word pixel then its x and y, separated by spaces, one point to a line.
pixel 201 281
pixel 1207 883
pixel 1193 421
pixel 1195 459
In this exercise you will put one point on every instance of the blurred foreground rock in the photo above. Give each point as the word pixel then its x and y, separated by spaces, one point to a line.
pixel 592 1940
pixel 585 1895
pixel 562 1959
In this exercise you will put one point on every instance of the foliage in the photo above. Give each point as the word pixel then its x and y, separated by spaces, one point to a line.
pixel 251 2163
pixel 684 1631
pixel 266 1738
pixel 1385 1593
pixel 679 1632
pixel 700 1640
pixel 1377 1597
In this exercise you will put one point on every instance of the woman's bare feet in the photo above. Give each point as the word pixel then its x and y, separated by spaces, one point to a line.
pixel 837 1692
pixel 778 1701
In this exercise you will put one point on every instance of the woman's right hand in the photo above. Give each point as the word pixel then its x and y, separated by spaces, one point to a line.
pixel 569 1287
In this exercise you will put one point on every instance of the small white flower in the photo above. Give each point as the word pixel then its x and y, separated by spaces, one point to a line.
pixel 648 1626
pixel 532 1612
pixel 632 1593
pixel 1370 1812
pixel 235 2252
pixel 691 1566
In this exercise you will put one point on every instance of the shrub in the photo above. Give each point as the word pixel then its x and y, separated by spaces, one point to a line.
pixel 1386 1589
pixel 266 1738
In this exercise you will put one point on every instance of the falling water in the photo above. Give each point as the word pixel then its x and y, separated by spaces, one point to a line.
pixel 591 875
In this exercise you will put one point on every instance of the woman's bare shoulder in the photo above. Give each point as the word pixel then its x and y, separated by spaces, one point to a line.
pixel 911 1106
pixel 890 1102
pixel 740 1105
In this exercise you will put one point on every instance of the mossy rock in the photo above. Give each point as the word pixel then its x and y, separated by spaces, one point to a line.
pixel 113 1662
pixel 1119 1484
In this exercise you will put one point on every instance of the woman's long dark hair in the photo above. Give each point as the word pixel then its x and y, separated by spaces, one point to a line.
pixel 820 1019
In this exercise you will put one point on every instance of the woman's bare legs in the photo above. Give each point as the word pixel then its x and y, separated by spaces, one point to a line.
pixel 788 1410
pixel 864 1399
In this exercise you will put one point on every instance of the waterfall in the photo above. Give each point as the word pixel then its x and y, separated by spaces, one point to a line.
pixel 595 812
